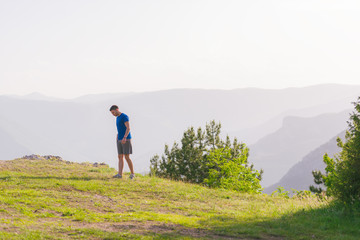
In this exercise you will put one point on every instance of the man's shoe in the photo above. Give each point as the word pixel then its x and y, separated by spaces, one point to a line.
pixel 117 176
pixel 132 176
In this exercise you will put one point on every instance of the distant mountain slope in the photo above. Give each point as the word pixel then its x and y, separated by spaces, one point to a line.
pixel 10 148
pixel 48 128
pixel 300 176
pixel 279 151
pixel 253 134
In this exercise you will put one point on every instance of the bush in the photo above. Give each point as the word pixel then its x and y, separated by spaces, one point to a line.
pixel 206 159
pixel 280 192
pixel 226 171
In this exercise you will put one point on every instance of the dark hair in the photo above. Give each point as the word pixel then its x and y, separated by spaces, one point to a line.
pixel 114 107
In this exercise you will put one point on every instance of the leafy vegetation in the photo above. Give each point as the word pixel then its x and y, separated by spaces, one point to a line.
pixel 205 158
pixel 54 199
pixel 342 173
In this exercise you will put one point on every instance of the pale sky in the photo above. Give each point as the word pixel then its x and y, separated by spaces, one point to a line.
pixel 69 48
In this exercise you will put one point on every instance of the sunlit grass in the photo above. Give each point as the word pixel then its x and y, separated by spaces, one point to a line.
pixel 51 199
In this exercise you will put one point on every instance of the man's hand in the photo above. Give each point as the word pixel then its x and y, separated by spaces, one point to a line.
pixel 123 141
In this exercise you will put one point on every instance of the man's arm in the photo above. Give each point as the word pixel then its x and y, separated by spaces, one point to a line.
pixel 127 125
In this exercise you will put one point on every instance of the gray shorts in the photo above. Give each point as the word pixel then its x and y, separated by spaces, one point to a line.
pixel 125 148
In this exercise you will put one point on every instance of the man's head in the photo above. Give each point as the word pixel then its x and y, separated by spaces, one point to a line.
pixel 115 110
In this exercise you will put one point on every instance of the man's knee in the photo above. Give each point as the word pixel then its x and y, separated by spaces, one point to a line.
pixel 121 156
pixel 127 157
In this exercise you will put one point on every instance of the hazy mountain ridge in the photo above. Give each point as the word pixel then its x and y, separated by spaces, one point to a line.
pixel 300 176
pixel 276 153
pixel 95 98
pixel 36 96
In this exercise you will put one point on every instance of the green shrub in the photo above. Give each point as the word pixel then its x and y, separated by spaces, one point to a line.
pixel 280 191
pixel 228 172
pixel 202 157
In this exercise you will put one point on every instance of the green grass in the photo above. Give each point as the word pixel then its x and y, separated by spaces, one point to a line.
pixel 52 199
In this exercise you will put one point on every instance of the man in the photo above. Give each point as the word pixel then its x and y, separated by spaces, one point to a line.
pixel 123 140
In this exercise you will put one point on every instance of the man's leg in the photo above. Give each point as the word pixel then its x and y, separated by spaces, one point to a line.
pixel 121 163
pixel 129 162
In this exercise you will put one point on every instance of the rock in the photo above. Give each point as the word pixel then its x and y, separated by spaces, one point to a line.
pixel 38 157
pixel 53 157
pixel 32 157
pixel 99 164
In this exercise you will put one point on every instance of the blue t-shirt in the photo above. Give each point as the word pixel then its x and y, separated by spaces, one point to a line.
pixel 120 124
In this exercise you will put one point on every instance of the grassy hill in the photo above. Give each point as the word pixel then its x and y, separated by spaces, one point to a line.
pixel 56 199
